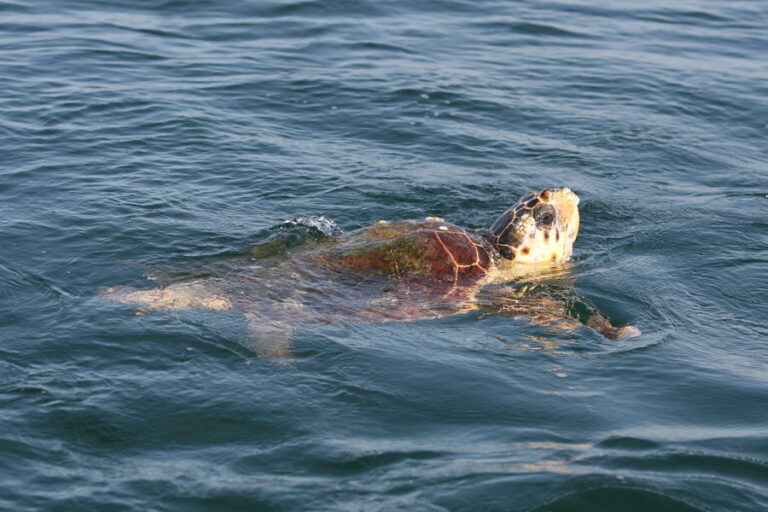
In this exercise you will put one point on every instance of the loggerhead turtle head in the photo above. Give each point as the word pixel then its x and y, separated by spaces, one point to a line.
pixel 540 228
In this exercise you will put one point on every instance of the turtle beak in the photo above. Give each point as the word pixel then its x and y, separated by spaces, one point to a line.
pixel 567 203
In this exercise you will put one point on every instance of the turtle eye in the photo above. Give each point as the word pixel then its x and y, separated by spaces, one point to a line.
pixel 545 215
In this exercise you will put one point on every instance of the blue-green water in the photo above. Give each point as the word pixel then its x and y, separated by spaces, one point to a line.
pixel 137 135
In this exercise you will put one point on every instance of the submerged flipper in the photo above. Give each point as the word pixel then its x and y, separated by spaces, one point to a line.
pixel 177 297
pixel 602 325
pixel 270 339
pixel 561 310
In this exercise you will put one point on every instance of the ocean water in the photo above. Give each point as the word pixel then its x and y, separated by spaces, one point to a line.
pixel 166 134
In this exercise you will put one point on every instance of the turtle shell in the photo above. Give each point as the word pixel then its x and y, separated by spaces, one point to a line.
pixel 424 251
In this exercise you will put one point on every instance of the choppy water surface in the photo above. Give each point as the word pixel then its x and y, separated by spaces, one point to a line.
pixel 144 135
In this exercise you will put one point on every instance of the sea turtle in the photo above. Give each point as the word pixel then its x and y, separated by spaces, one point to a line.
pixel 400 270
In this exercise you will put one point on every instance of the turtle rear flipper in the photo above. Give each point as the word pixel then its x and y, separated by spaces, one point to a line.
pixel 270 339
pixel 177 297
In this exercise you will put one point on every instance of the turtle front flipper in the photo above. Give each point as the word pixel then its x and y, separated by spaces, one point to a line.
pixel 541 310
pixel 602 325
pixel 508 301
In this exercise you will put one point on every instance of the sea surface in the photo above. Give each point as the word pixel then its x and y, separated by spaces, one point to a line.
pixel 146 135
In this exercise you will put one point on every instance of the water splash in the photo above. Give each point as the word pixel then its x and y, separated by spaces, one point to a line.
pixel 295 232
pixel 324 224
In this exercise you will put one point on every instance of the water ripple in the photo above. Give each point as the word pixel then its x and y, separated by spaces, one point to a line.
pixel 166 141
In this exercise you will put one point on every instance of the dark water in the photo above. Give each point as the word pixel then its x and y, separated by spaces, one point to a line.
pixel 143 134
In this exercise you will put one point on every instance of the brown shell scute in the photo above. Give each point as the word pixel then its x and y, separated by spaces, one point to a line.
pixel 437 251
pixel 468 258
